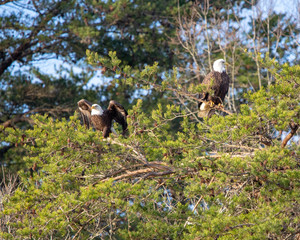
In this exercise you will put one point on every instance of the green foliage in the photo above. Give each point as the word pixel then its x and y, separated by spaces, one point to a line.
pixel 174 176
pixel 226 177
pixel 280 103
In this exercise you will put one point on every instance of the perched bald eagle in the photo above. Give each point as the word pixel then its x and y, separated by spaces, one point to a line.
pixel 102 119
pixel 217 83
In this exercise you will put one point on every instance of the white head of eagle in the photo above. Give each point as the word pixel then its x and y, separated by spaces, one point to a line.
pixel 96 110
pixel 219 66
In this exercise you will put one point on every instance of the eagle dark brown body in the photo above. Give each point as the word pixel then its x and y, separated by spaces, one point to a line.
pixel 102 123
pixel 220 86
pixel 217 86
pixel 103 120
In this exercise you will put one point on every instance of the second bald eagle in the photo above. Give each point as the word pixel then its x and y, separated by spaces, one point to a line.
pixel 217 85
pixel 102 119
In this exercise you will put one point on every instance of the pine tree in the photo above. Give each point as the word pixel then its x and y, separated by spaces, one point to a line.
pixel 227 177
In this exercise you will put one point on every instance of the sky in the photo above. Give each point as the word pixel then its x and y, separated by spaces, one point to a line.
pixel 284 6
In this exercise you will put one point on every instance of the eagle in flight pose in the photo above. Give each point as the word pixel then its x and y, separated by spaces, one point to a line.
pixel 102 120
pixel 217 85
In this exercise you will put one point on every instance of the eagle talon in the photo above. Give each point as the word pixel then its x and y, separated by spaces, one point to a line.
pixel 211 103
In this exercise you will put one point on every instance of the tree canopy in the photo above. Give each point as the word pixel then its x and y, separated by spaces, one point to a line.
pixel 234 175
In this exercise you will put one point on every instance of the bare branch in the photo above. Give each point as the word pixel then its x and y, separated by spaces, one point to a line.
pixel 19 118
pixel 294 127
pixel 25 118
pixel 139 156
pixel 149 171
pixel 2 2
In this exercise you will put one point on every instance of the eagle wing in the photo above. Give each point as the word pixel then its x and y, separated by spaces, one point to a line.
pixel 208 81
pixel 223 90
pixel 219 84
pixel 85 108
pixel 119 114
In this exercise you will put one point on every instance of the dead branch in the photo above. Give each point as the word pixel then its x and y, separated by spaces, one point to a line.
pixel 25 118
pixel 5 1
pixel 138 155
pixel 19 118
pixel 294 127
pixel 221 108
pixel 81 228
pixel 242 155
pixel 30 45
pixel 150 172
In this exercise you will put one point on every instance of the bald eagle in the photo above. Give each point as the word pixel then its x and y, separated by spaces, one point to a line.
pixel 102 119
pixel 217 85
